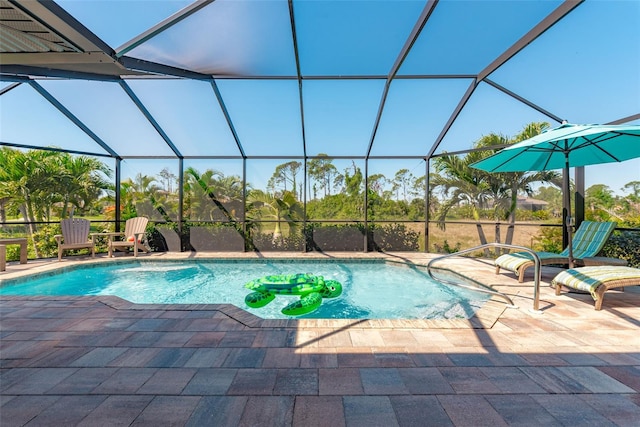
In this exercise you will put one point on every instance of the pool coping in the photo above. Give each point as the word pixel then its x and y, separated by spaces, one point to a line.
pixel 484 318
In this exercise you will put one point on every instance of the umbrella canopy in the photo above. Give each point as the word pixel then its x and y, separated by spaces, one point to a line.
pixel 579 145
pixel 567 146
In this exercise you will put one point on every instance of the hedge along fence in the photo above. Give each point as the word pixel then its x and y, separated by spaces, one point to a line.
pixel 319 237
pixel 624 244
pixel 313 237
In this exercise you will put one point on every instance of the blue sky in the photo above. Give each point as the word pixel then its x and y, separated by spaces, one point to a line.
pixel 585 69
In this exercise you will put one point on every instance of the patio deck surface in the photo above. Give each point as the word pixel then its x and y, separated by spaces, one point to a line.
pixel 101 361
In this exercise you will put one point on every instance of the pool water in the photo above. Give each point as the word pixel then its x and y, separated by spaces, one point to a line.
pixel 371 289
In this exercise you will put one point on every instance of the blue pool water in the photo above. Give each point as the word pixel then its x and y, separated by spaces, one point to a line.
pixel 371 289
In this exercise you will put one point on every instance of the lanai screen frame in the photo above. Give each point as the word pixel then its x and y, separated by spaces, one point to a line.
pixel 111 65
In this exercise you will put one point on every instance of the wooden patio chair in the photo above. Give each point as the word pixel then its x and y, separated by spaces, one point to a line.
pixel 134 236
pixel 75 235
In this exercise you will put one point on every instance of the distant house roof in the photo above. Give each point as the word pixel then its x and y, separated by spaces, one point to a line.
pixel 532 204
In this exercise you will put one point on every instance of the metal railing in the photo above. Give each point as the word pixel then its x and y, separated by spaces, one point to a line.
pixel 486 288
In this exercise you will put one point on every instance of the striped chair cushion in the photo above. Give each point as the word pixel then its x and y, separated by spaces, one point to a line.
pixel 590 238
pixel 588 241
pixel 588 279
pixel 513 261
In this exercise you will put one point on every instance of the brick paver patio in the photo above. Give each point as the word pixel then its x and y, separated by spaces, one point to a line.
pixel 101 361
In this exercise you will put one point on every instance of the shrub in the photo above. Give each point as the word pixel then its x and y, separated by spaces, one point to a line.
pixel 266 242
pixel 195 236
pixel 525 215
pixel 343 237
pixel 446 248
pixel 45 241
pixel 350 237
pixel 13 252
pixel 623 245
pixel 549 240
pixel 393 237
pixel 156 239
pixel 541 215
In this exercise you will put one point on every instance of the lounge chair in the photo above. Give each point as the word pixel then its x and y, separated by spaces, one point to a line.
pixel 597 280
pixel 587 242
pixel 75 235
pixel 134 236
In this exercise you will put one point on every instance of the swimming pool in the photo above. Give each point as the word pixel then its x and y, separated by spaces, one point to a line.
pixel 372 289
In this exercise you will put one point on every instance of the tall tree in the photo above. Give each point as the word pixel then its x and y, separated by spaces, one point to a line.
pixel 416 190
pixel 168 178
pixel 634 188
pixel 284 175
pixel 353 181
pixel 600 201
pixel 322 171
pixel 401 183
pixel 630 204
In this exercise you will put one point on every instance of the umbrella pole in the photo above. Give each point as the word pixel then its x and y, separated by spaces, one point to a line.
pixel 567 207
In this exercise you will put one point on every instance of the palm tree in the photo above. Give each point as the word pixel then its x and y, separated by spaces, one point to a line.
pixel 138 196
pixel 481 190
pixel 521 181
pixel 32 182
pixel 287 208
pixel 23 176
pixel 13 178
pixel 210 184
pixel 79 181
pixel 460 184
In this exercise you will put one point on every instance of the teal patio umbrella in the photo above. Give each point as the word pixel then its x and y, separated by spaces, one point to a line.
pixel 565 146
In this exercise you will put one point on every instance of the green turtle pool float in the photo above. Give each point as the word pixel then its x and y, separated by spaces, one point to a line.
pixel 310 288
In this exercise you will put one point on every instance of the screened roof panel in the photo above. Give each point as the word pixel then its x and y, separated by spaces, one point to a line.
pixel 234 38
pixel 266 114
pixel 4 85
pixel 567 76
pixel 489 111
pixel 414 114
pixel 339 115
pixel 111 114
pixel 352 38
pixel 189 112
pixel 130 17
pixel 463 37
pixel 29 119
pixel 533 61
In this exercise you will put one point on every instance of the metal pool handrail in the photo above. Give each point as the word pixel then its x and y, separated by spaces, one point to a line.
pixel 489 289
